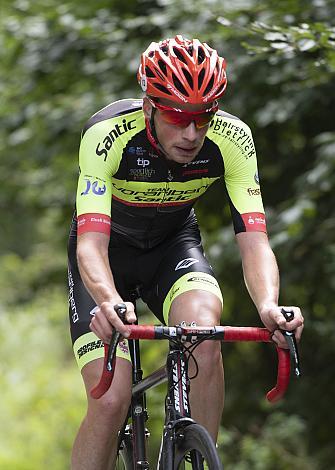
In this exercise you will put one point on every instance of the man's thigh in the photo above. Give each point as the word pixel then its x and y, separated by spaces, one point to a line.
pixel 184 268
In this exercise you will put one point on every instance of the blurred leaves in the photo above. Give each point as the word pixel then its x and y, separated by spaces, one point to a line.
pixel 278 445
pixel 41 390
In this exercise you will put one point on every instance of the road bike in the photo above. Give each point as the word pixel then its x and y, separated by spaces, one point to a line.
pixel 185 444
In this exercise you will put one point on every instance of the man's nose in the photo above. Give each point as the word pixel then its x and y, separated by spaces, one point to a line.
pixel 190 132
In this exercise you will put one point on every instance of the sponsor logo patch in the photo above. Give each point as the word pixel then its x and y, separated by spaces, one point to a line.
pixel 254 221
pixel 196 162
pixel 142 174
pixel 254 192
pixel 139 151
pixel 96 188
pixel 123 345
pixel 235 134
pixel 144 83
pixel 176 92
pixel 94 310
pixel 186 263
pixel 143 162
pixel 118 130
pixel 201 279
pixel 157 194
pixel 72 302
pixel 174 292
pixel 90 347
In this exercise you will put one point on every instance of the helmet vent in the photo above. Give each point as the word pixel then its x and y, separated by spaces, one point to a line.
pixel 161 76
pixel 161 88
pixel 190 50
pixel 201 55
pixel 179 54
pixel 151 54
pixel 162 66
pixel 188 77
pixel 165 50
pixel 177 83
pixel 201 78
pixel 149 72
pixel 209 86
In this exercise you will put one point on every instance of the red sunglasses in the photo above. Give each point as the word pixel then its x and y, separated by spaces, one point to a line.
pixel 182 118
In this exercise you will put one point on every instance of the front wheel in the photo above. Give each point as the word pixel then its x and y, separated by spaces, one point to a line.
pixel 124 460
pixel 196 450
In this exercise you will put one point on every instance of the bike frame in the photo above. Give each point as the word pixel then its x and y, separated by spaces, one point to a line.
pixel 177 405
pixel 177 408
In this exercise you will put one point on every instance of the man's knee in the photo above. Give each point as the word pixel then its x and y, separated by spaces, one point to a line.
pixel 208 355
pixel 114 404
pixel 204 309
pixel 199 306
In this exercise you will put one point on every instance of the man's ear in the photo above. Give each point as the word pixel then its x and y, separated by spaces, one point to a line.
pixel 147 108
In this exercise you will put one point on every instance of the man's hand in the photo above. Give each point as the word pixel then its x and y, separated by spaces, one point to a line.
pixel 106 318
pixel 274 320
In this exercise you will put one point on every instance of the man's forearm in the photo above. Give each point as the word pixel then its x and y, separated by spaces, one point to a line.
pixel 261 274
pixel 95 271
pixel 262 280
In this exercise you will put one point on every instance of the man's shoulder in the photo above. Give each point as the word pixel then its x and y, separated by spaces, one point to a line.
pixel 225 125
pixel 115 109
pixel 232 136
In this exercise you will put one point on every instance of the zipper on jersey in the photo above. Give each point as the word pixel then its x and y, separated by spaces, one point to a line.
pixel 169 178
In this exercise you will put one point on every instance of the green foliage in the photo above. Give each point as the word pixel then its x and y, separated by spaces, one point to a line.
pixel 42 396
pixel 62 62
pixel 278 445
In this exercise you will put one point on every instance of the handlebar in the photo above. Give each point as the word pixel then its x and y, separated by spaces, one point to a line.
pixel 192 334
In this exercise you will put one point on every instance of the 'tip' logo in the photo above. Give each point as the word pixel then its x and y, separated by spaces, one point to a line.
pixel 143 162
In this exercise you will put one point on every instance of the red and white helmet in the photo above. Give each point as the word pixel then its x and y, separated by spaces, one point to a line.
pixel 183 71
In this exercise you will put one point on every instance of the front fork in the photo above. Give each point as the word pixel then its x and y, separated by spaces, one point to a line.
pixel 177 406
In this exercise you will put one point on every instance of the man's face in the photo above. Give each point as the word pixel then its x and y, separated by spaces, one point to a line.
pixel 180 144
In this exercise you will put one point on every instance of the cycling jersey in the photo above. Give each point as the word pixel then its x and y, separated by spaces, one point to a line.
pixel 125 185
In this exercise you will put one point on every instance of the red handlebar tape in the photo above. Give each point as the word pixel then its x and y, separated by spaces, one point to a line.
pixel 229 334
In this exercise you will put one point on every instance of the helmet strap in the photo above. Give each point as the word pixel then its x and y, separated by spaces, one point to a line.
pixel 151 132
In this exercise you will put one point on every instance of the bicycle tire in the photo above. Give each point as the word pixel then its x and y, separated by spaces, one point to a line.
pixel 124 459
pixel 198 444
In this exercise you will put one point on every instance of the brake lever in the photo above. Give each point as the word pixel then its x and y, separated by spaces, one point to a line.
pixel 291 342
pixel 121 311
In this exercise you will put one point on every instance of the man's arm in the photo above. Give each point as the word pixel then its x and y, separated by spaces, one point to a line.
pixel 262 280
pixel 93 262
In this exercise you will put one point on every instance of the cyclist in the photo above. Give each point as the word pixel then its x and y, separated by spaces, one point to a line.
pixel 143 165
